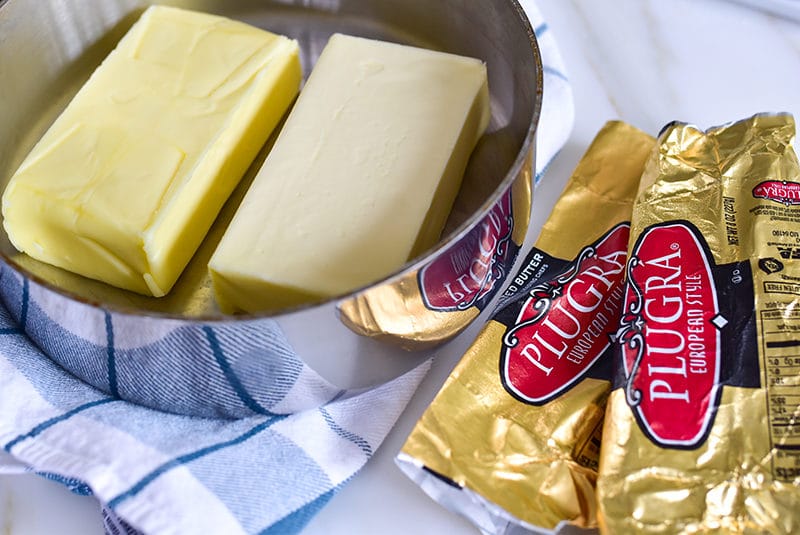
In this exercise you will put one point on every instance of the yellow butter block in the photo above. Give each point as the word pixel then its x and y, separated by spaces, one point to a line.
pixel 125 184
pixel 361 178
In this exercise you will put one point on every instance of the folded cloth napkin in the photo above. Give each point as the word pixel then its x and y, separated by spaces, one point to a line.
pixel 158 472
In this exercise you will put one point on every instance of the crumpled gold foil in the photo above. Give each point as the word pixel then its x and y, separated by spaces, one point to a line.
pixel 739 186
pixel 527 464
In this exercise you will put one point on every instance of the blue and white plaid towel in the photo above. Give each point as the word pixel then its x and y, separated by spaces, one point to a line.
pixel 268 471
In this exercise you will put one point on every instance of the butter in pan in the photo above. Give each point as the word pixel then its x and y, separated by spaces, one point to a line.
pixel 123 187
pixel 702 429
pixel 511 440
pixel 361 178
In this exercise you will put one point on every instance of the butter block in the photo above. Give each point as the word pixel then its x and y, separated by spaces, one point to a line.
pixel 125 184
pixel 360 180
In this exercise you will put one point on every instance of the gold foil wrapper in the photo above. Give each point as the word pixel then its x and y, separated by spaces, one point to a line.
pixel 490 438
pixel 702 434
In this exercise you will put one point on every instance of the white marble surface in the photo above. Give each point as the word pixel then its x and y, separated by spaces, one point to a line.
pixel 647 62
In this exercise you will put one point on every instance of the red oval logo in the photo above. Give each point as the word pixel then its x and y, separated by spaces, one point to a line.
pixel 565 323
pixel 781 191
pixel 670 336
pixel 470 269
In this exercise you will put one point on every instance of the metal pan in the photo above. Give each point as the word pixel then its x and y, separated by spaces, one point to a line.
pixel 48 48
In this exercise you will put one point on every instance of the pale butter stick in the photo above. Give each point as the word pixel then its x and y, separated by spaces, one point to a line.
pixel 361 178
pixel 125 184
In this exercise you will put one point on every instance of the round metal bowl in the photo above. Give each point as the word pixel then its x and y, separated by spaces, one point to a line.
pixel 48 48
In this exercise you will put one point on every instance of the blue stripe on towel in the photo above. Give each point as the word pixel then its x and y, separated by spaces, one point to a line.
pixel 112 366
pixel 23 314
pixel 344 433
pixel 288 475
pixel 234 381
pixel 82 358
pixel 55 420
pixel 555 72
pixel 262 358
pixel 75 486
pixel 189 457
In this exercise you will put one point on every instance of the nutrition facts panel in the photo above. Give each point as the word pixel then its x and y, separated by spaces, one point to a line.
pixel 781 353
